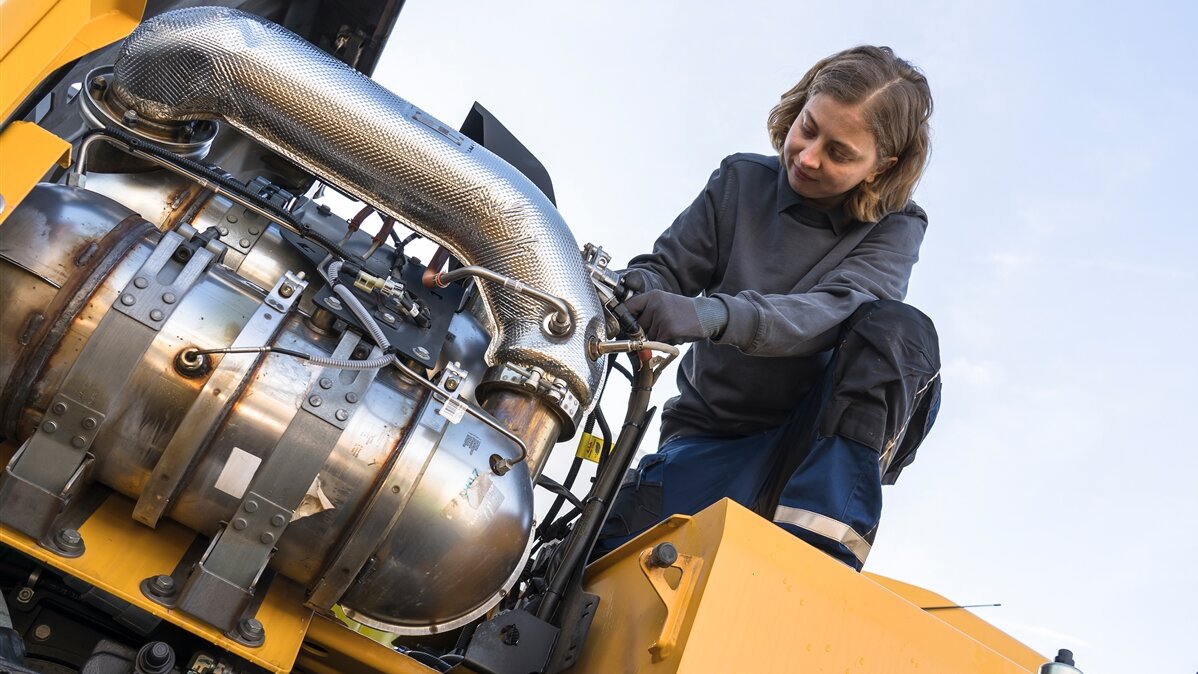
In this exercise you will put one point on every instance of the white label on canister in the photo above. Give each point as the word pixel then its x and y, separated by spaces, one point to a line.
pixel 235 477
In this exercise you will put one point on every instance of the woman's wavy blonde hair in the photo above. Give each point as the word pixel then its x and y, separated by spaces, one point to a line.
pixel 897 105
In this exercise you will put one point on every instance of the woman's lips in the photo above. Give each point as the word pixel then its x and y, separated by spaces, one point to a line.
pixel 802 176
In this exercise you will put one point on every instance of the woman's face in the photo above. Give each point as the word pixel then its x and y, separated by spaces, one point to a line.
pixel 829 150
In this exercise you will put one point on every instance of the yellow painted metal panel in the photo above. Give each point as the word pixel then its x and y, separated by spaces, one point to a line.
pixel 766 601
pixel 111 533
pixel 963 620
pixel 332 648
pixel 27 152
pixel 63 31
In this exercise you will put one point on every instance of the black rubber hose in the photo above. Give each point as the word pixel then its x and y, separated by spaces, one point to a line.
pixel 282 215
pixel 598 503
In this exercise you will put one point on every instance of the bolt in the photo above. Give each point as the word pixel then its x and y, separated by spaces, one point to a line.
pixel 664 555
pixel 251 630
pixel 421 352
pixel 156 315
pixel 25 595
pixel 140 282
pixel 155 658
pixel 79 442
pixel 98 83
pixel 130 118
pixel 510 634
pixel 341 415
pixel 240 523
pixel 224 231
pixel 278 520
pixel 69 540
pixel 351 398
pixel 452 384
pixel 162 586
pixel 388 317
pixel 231 218
pixel 333 303
pixel 89 423
pixel 324 209
pixel 41 632
pixel 169 298
pixel 315 401
pixel 251 506
pixel 287 290
pixel 267 538
pixel 49 426
pixel 326 383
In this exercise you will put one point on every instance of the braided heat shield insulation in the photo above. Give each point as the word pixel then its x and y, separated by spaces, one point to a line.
pixel 207 62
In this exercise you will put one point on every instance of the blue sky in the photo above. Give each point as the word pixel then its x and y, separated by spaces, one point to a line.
pixel 1060 479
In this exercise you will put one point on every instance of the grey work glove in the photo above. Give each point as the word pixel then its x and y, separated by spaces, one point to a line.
pixel 675 319
pixel 638 281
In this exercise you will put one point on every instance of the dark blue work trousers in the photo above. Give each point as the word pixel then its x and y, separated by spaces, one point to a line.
pixel 819 475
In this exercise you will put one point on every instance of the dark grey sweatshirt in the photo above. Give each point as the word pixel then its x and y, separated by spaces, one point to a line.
pixel 748 240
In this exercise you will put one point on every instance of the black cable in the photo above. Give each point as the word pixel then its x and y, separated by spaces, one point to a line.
pixel 605 432
pixel 282 215
pixel 562 492
pixel 622 370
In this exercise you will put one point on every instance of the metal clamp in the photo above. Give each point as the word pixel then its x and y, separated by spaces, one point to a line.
pixel 150 302
pixel 552 390
pixel 335 394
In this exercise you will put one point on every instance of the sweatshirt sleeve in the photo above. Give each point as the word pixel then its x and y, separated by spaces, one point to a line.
pixel 806 323
pixel 686 256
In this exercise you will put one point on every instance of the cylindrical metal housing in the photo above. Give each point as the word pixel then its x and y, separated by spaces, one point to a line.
pixel 384 467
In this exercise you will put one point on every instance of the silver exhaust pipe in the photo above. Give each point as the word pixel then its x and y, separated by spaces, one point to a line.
pixel 214 62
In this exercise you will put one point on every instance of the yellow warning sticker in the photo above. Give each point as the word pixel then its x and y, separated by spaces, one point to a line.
pixel 590 447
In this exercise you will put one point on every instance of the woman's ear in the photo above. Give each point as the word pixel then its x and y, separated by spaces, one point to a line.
pixel 882 167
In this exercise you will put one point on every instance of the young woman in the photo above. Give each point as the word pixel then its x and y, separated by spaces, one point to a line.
pixel 809 383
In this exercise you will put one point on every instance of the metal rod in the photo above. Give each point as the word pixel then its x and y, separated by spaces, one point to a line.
pixel 561 321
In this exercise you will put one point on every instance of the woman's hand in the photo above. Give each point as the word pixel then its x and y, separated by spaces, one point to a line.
pixel 675 319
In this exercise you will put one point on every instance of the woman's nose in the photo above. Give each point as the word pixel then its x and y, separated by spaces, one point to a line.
pixel 809 159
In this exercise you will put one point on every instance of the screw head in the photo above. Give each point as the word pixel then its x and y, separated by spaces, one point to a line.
pixel 333 303
pixel 244 243
pixel 224 231
pixel 41 632
pixel 98 83
pixel 254 231
pixel 130 118
pixel 326 383
pixel 267 537
pixel 452 384
pixel 79 442
pixel 351 398
pixel 421 352
pixel 89 423
pixel 251 506
pixel 287 290
pixel 128 300
pixel 156 315
pixel 314 401
pixel 141 282
pixel 59 408
pixel 240 523
pixel 278 520
pixel 69 540
pixel 162 586
pixel 388 317
pixel 251 630
pixel 341 415
pixel 25 595
pixel 324 209
pixel 49 426
pixel 169 298
pixel 231 218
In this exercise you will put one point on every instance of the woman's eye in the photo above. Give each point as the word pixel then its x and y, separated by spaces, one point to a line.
pixel 807 131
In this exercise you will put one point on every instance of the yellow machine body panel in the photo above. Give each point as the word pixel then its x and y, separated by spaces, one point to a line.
pixel 39 36
pixel 27 152
pixel 745 596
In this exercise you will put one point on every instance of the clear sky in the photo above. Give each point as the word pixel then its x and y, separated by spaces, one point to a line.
pixel 1058 266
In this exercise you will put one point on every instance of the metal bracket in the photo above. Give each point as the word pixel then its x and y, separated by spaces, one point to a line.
pixel 335 394
pixel 30 508
pixel 240 229
pixel 676 598
pixel 150 302
pixel 212 405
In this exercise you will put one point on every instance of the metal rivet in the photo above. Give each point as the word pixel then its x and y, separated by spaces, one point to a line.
pixel 326 383
pixel 341 415
pixel 267 537
pixel 140 282
pixel 254 231
pixel 41 632
pixel 224 231
pixel 240 523
pixel 244 243
pixel 169 298
pixel 315 401
pixel 59 408
pixel 251 506
pixel 89 423
pixel 351 398
pixel 128 300
pixel 79 442
pixel 278 520
pixel 395 489
pixel 49 426
pixel 231 218
pixel 156 315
